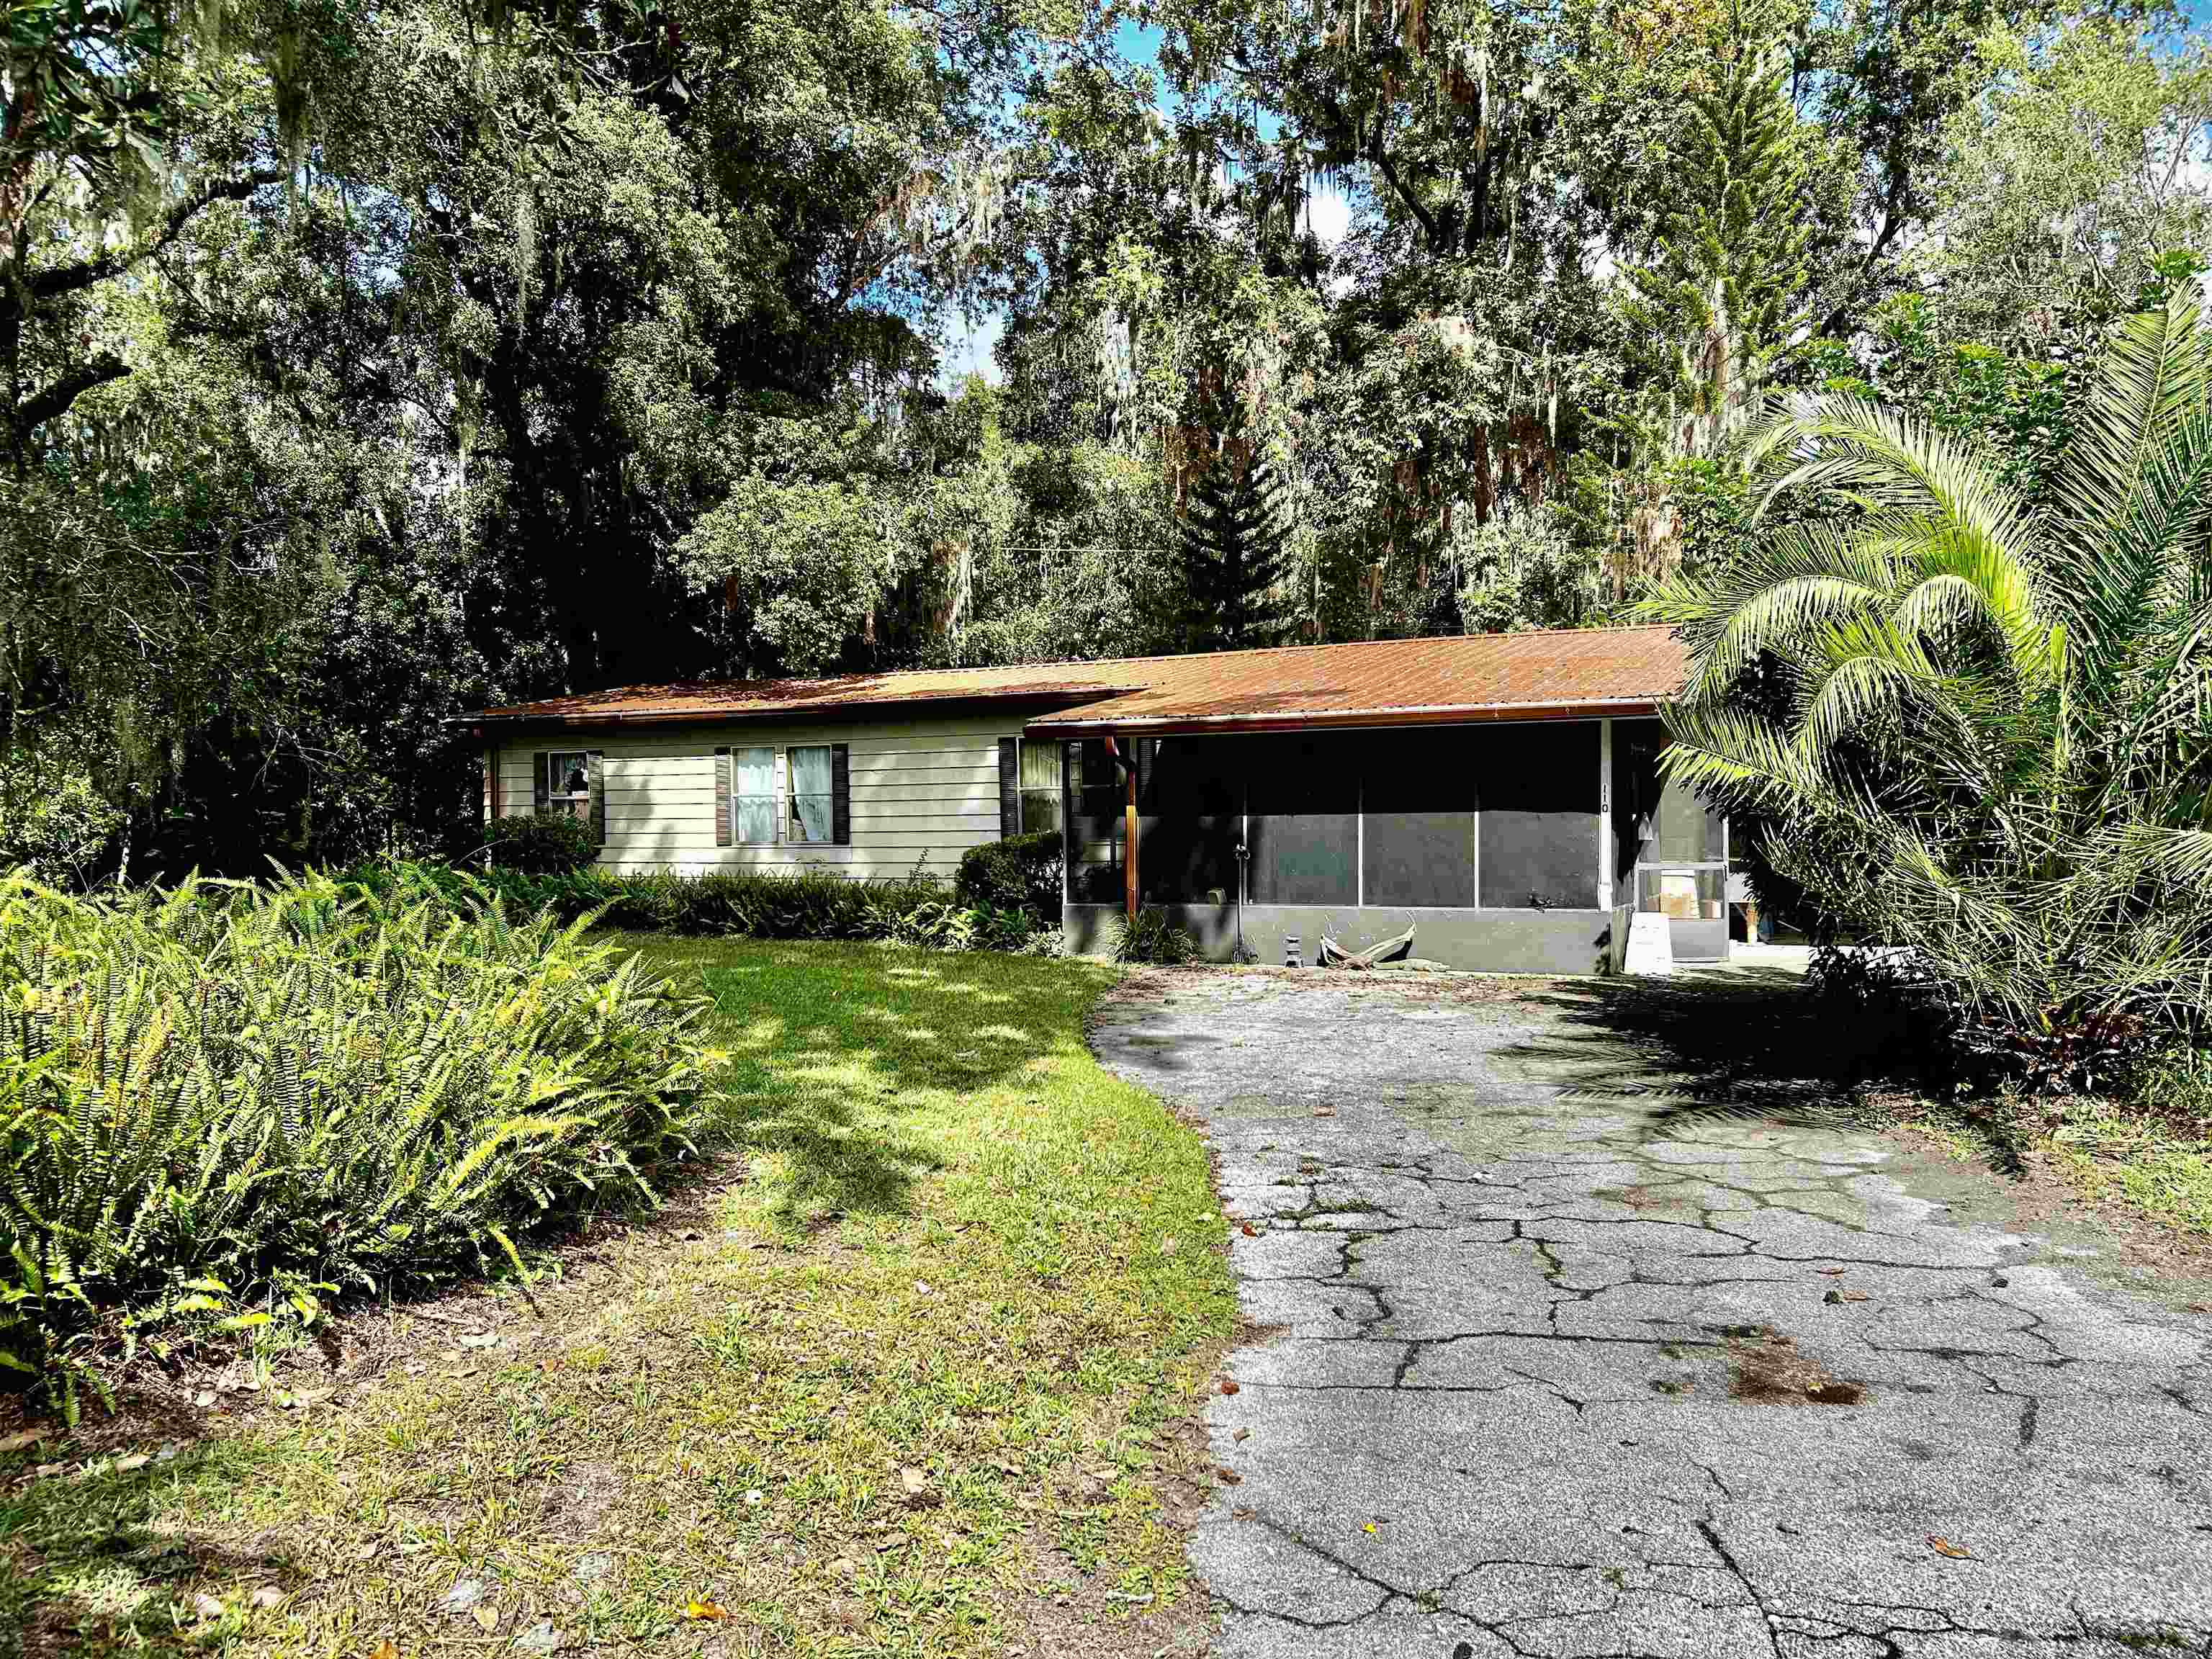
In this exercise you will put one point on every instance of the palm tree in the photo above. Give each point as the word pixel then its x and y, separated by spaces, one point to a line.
pixel 1977 724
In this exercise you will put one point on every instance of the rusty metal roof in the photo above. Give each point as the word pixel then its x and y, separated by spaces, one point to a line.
pixel 1565 673
pixel 1560 674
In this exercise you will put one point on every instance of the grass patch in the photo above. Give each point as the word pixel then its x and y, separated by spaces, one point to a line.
pixel 2116 1155
pixel 917 1359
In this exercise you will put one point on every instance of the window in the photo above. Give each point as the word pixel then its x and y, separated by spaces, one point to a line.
pixel 752 803
pixel 811 800
pixel 1040 787
pixel 568 784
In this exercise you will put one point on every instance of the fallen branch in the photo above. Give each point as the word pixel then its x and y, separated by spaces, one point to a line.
pixel 1333 955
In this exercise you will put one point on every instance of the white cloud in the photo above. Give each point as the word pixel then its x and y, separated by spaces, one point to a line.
pixel 968 349
pixel 1328 214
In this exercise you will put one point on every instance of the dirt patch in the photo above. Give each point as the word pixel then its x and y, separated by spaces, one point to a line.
pixel 1078 1613
pixel 455 1332
pixel 1766 1369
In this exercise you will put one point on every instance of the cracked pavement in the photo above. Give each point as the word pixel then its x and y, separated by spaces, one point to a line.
pixel 1546 1363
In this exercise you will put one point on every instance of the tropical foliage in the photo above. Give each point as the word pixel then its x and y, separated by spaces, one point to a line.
pixel 224 1107
pixel 1978 723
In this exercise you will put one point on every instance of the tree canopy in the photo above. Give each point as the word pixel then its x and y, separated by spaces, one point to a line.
pixel 364 366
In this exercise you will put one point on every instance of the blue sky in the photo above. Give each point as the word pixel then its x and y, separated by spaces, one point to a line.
pixel 968 345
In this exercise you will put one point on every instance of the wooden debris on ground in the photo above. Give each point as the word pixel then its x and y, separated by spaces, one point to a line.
pixel 1333 955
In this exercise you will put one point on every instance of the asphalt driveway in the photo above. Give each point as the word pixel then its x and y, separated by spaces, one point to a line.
pixel 1573 1339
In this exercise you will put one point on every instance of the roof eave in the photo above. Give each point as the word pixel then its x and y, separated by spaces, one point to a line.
pixel 1054 726
pixel 850 709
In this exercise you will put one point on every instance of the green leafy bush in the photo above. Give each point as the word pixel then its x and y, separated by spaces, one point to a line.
pixel 1153 938
pixel 226 1102
pixel 541 844
pixel 53 823
pixel 1022 872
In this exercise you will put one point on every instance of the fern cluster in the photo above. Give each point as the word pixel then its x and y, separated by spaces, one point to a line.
pixel 218 1101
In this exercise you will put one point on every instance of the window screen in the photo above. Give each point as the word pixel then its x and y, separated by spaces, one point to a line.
pixel 1304 799
pixel 1538 789
pixel 1418 793
pixel 1095 837
pixel 752 804
pixel 1686 829
pixel 810 797
pixel 1635 746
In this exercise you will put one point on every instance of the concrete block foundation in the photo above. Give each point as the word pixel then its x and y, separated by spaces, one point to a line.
pixel 1559 941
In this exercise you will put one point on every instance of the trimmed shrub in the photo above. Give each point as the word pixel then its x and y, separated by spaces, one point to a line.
pixel 1022 872
pixel 541 844
pixel 910 909
pixel 228 1103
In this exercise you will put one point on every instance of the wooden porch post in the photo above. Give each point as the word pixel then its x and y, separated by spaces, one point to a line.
pixel 1129 765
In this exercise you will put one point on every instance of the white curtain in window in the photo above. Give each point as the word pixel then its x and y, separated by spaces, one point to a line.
pixel 1040 779
pixel 810 793
pixel 756 802
pixel 1039 766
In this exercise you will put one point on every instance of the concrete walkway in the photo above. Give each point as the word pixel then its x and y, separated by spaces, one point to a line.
pixel 1565 1347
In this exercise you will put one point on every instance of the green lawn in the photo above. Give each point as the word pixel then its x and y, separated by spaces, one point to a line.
pixel 907 1369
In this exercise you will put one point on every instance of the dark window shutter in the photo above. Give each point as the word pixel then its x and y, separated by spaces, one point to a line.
pixel 596 765
pixel 541 790
pixel 1010 787
pixel 841 794
pixel 721 798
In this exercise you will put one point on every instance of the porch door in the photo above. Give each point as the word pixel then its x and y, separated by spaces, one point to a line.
pixel 1681 874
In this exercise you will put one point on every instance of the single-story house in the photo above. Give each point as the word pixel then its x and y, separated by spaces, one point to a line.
pixel 1498 793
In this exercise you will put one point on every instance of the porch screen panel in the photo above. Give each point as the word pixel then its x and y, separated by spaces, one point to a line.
pixel 1189 804
pixel 1420 799
pixel 1302 795
pixel 1094 839
pixel 1538 790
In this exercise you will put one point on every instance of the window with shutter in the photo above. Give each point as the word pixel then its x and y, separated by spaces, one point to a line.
pixel 567 783
pixel 1040 786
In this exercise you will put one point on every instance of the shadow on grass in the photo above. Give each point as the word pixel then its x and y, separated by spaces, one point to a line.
pixel 96 1574
pixel 1742 1045
pixel 842 1059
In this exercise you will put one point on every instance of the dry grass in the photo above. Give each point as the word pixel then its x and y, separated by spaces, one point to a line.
pixel 909 1370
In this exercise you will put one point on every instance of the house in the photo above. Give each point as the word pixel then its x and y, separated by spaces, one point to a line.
pixel 1499 792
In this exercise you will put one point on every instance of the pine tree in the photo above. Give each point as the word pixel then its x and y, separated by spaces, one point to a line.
pixel 1730 268
pixel 1231 553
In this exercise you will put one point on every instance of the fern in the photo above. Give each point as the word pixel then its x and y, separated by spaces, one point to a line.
pixel 307 1085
